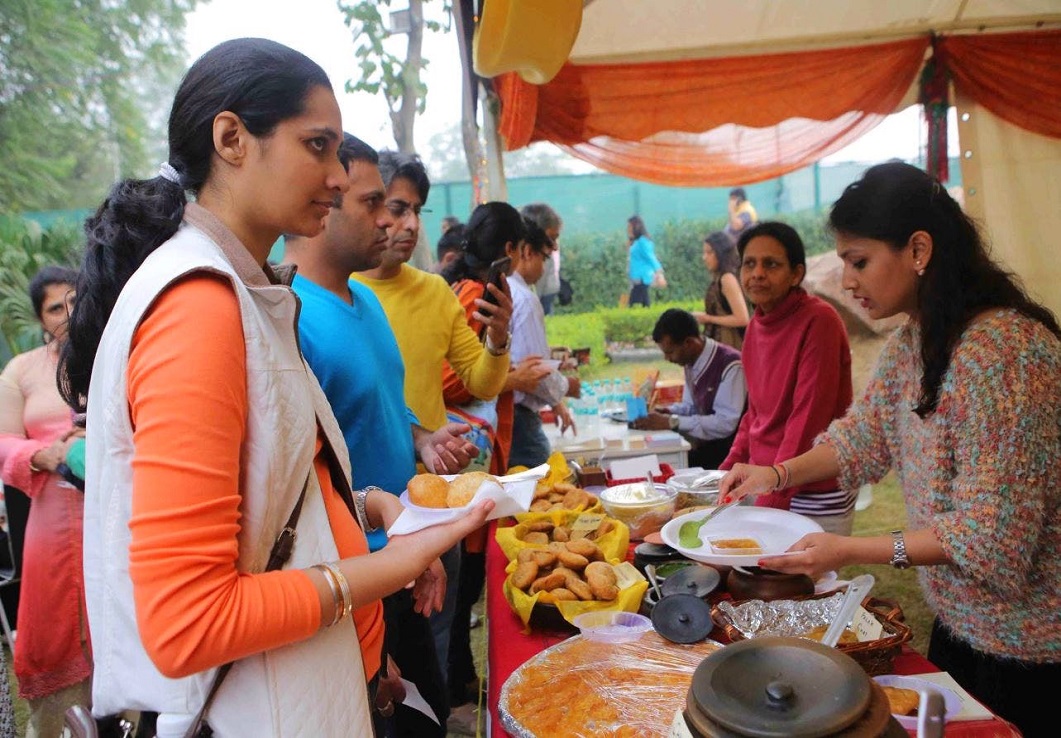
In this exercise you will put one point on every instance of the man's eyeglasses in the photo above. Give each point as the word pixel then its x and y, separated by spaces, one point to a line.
pixel 401 208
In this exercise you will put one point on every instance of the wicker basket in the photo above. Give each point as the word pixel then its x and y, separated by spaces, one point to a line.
pixel 876 657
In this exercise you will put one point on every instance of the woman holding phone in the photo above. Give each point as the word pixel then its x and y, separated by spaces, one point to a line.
pixel 200 452
pixel 491 241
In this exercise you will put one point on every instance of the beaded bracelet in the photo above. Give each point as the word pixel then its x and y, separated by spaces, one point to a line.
pixel 333 585
pixel 344 587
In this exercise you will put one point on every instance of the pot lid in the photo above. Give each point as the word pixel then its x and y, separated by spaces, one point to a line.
pixel 699 581
pixel 682 618
pixel 780 687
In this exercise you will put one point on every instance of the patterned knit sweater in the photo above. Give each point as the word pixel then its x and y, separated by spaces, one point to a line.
pixel 981 472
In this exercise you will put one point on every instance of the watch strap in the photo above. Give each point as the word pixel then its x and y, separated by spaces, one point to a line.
pixel 499 350
pixel 900 559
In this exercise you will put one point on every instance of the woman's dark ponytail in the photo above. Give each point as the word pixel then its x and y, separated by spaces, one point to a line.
pixel 491 226
pixel 262 82
pixel 137 217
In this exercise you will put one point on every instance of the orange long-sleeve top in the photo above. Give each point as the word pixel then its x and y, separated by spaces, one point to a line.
pixel 188 403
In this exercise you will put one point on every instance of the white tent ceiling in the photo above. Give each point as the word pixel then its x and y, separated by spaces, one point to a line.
pixel 643 30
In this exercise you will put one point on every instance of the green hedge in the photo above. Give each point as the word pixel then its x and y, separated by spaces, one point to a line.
pixel 605 325
pixel 595 263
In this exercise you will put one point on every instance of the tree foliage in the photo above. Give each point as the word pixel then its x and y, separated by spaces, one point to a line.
pixel 25 247
pixel 79 84
pixel 382 70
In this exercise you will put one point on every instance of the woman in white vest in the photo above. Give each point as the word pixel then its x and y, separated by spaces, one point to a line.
pixel 205 428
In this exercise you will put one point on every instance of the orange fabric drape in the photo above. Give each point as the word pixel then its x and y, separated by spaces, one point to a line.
pixel 712 121
pixel 1017 76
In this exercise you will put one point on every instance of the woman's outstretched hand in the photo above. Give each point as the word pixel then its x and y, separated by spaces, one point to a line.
pixel 745 479
pixel 813 555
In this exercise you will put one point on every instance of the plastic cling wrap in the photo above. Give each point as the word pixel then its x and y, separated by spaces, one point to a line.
pixel 583 689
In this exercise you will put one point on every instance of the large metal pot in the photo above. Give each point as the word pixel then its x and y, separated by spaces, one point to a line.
pixel 784 688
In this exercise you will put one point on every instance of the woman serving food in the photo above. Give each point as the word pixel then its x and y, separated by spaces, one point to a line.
pixel 965 406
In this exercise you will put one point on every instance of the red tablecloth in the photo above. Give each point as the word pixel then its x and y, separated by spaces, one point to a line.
pixel 508 647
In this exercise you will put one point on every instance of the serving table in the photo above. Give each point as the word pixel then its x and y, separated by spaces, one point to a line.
pixel 508 647
pixel 617 441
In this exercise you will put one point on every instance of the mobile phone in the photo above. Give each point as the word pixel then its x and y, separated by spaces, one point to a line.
pixel 497 269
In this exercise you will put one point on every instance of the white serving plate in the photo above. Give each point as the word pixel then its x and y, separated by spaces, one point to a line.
pixel 952 705
pixel 775 529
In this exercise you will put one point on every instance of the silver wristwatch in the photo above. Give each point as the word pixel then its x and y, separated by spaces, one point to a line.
pixel 899 558
pixel 359 508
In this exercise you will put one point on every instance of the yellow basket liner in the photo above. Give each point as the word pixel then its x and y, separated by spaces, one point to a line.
pixel 632 586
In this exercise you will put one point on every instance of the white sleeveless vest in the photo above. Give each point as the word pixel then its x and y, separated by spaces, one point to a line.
pixel 314 687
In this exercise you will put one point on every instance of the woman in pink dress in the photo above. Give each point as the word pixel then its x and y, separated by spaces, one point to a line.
pixel 52 659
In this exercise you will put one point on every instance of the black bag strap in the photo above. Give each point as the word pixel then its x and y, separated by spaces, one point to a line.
pixel 278 556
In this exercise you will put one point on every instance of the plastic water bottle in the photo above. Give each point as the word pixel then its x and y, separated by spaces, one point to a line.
pixel 592 414
pixel 607 397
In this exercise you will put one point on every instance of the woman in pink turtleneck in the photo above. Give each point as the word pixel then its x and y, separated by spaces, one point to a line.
pixel 797 362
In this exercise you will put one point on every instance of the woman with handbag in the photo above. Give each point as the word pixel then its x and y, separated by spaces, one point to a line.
pixel 52 654
pixel 210 461
pixel 965 406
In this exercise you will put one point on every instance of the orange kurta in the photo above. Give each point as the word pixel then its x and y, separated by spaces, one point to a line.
pixel 188 404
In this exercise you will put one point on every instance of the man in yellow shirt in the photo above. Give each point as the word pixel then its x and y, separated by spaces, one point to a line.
pixel 426 317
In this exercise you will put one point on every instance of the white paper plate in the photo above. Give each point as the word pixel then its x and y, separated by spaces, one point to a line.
pixel 952 705
pixel 513 495
pixel 775 529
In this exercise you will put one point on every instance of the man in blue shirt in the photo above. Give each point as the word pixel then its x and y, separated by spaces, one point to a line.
pixel 348 343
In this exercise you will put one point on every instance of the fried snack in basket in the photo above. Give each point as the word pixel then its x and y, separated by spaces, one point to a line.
pixel 608 689
pixel 572 582
pixel 611 536
pixel 550 496
pixel 428 490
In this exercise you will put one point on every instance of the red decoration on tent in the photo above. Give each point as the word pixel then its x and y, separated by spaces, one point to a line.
pixel 935 100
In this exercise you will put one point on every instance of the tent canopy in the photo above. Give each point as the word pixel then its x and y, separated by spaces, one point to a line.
pixel 635 30
pixel 718 92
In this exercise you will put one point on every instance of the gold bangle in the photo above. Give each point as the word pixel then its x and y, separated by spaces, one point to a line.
pixel 333 585
pixel 344 587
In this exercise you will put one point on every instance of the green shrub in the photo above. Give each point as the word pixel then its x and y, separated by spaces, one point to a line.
pixel 607 325
pixel 595 263
pixel 24 248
